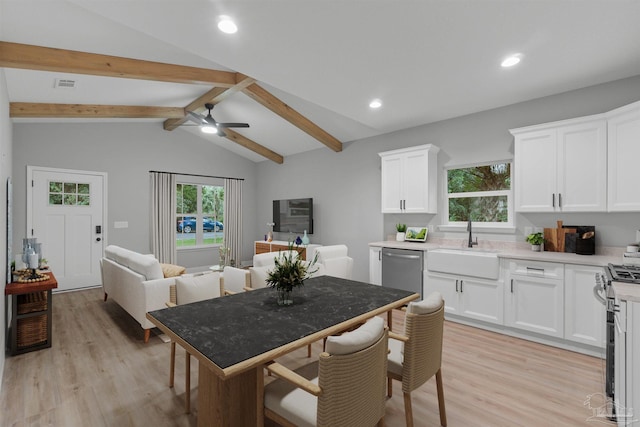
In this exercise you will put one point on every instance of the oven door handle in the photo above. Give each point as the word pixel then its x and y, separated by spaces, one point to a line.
pixel 618 326
pixel 596 291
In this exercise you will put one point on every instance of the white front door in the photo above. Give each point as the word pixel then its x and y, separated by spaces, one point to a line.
pixel 65 212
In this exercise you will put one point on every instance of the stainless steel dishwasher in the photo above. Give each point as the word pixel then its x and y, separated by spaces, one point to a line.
pixel 402 269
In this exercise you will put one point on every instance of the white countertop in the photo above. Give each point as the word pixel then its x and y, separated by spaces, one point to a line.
pixel 511 253
pixel 627 291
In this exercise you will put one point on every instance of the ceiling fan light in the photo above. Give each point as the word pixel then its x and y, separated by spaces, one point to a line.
pixel 376 103
pixel 226 25
pixel 512 60
pixel 209 129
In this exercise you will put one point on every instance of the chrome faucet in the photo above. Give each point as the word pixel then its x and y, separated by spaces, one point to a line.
pixel 471 242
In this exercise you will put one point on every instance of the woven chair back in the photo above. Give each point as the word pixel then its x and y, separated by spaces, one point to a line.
pixel 423 351
pixel 353 386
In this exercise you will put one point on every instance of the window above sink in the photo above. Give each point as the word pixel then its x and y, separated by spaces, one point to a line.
pixel 481 193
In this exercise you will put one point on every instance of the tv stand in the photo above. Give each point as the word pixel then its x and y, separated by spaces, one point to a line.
pixel 306 252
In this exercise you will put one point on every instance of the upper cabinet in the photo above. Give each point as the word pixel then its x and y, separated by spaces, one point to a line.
pixel 623 155
pixel 409 180
pixel 561 166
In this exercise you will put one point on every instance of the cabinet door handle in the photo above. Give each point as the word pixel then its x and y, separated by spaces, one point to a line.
pixel 380 255
pixel 456 285
pixel 559 200
pixel 553 200
pixel 461 286
pixel 511 285
pixel 536 270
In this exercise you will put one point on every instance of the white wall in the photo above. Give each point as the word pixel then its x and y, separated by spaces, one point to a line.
pixel 5 172
pixel 127 152
pixel 346 186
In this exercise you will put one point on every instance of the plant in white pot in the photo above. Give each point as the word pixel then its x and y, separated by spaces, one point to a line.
pixel 401 232
pixel 535 240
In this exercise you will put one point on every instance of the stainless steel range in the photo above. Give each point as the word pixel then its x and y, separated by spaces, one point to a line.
pixel 625 273
pixel 604 292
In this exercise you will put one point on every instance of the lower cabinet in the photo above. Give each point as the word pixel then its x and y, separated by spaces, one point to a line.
pixel 584 316
pixel 375 265
pixel 473 298
pixel 535 297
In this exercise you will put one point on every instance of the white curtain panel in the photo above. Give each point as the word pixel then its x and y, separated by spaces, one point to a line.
pixel 163 216
pixel 233 218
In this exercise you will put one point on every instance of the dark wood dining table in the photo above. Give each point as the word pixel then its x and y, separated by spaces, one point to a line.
pixel 234 336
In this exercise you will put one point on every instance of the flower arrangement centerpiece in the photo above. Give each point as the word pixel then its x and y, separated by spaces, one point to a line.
pixel 289 272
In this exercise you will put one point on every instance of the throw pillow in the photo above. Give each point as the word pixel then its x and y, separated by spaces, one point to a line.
pixel 172 270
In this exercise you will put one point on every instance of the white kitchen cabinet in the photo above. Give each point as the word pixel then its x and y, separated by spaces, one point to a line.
pixel 410 180
pixel 375 265
pixel 561 166
pixel 584 315
pixel 623 154
pixel 473 298
pixel 534 297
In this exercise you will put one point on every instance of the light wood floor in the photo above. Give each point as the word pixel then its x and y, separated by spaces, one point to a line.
pixel 100 373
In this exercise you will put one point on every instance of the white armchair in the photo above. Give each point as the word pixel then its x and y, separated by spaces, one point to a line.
pixel 335 260
pixel 235 280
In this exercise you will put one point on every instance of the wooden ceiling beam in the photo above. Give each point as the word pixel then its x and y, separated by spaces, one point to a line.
pixel 270 101
pixel 86 111
pixel 23 56
pixel 214 96
pixel 253 146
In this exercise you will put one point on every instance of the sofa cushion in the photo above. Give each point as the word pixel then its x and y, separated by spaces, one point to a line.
pixel 363 337
pixel 197 288
pixel 145 265
pixel 172 270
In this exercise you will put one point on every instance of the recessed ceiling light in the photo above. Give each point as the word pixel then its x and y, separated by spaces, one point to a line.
pixel 376 103
pixel 512 60
pixel 226 25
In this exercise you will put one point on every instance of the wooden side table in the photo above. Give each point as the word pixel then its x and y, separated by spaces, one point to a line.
pixel 29 327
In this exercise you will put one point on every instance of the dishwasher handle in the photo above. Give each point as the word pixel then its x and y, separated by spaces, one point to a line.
pixel 393 255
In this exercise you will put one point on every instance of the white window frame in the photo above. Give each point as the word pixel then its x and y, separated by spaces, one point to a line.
pixel 487 226
pixel 199 233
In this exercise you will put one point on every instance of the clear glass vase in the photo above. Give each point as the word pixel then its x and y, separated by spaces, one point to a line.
pixel 285 296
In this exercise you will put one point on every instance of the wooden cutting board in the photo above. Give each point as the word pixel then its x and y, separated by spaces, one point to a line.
pixel 550 239
pixel 554 238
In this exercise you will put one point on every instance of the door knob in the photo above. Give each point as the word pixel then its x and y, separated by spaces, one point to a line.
pixel 98 239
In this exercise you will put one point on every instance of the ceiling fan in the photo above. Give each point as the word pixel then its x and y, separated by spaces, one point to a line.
pixel 209 125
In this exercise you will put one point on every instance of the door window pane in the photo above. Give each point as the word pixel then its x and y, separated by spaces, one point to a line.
pixel 69 193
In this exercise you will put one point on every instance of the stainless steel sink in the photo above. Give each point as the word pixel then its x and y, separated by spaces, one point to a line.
pixel 466 262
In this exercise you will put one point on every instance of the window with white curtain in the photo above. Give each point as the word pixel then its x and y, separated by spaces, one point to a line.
pixel 199 213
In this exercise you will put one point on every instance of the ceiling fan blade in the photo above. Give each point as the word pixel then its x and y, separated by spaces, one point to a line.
pixel 195 117
pixel 221 132
pixel 232 125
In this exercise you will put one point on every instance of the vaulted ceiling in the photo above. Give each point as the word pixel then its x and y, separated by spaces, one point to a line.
pixel 302 73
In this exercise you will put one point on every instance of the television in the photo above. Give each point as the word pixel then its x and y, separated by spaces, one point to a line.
pixel 293 215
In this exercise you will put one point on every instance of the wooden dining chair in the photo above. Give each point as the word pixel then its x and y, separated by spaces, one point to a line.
pixel 345 387
pixel 416 356
pixel 188 289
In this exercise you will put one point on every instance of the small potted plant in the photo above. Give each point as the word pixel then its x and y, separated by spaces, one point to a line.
pixel 288 273
pixel 401 232
pixel 535 240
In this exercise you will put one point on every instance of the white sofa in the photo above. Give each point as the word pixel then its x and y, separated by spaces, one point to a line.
pixel 136 282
